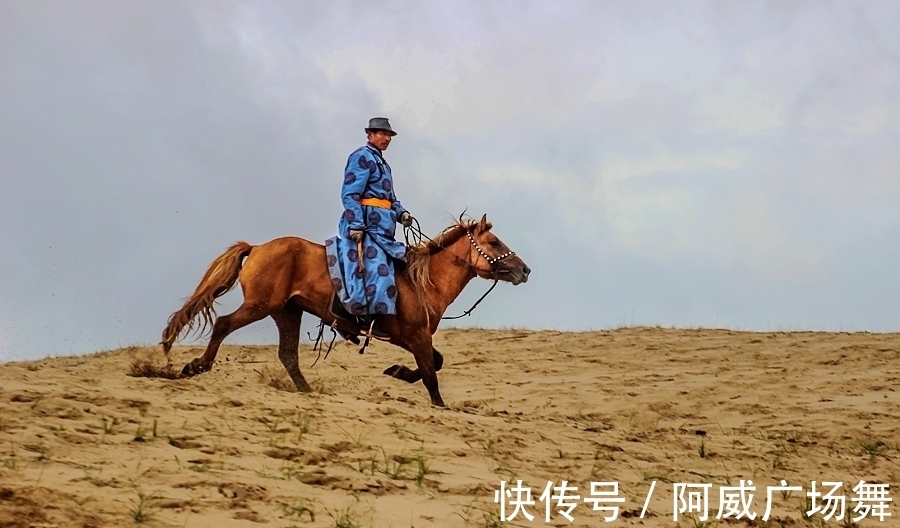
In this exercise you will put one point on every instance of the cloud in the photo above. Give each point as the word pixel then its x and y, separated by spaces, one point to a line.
pixel 686 164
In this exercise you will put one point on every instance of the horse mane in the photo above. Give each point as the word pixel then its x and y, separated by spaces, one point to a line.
pixel 419 256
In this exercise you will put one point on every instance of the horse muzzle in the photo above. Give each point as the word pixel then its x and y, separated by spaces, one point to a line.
pixel 526 271
pixel 515 276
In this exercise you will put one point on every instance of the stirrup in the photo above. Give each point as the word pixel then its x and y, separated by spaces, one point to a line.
pixel 367 335
pixel 370 332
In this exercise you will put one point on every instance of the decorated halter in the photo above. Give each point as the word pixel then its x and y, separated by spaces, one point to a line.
pixel 417 232
pixel 491 260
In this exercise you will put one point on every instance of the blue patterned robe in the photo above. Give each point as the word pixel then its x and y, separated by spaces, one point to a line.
pixel 367 175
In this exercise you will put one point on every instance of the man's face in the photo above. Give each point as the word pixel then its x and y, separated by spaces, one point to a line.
pixel 380 139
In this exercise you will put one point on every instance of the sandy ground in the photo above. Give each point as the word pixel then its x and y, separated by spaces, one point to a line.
pixel 84 444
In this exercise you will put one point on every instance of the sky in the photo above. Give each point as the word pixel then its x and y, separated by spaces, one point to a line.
pixel 687 164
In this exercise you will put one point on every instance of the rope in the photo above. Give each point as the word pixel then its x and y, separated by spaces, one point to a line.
pixel 470 310
pixel 416 234
pixel 319 341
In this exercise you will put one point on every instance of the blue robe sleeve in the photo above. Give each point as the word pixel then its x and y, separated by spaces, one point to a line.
pixel 397 208
pixel 356 175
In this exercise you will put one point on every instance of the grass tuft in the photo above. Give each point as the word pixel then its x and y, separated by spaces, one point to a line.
pixel 142 368
pixel 142 509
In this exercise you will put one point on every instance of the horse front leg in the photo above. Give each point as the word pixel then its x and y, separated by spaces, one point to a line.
pixel 409 375
pixel 425 361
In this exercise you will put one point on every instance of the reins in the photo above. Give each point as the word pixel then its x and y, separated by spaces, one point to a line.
pixel 470 310
pixel 416 234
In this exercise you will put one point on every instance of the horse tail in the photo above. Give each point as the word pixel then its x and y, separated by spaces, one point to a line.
pixel 218 280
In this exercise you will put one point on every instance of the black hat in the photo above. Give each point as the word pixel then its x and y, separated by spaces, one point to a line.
pixel 380 123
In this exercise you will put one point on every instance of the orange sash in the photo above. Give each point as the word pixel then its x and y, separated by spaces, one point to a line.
pixel 376 202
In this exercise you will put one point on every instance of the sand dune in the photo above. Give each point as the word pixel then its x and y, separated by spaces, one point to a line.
pixel 84 444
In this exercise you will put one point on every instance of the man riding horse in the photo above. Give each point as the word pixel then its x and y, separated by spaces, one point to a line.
pixel 361 258
pixel 289 276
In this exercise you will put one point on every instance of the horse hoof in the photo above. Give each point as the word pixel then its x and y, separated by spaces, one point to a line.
pixel 187 371
pixel 392 371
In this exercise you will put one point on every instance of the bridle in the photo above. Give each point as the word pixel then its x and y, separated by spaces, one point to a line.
pixel 492 261
pixel 418 235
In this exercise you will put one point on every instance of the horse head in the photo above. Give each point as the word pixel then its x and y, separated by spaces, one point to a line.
pixel 491 258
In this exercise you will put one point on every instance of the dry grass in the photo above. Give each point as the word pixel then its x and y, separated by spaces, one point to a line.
pixel 276 377
pixel 145 368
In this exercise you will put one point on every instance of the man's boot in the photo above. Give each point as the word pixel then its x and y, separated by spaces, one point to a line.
pixel 369 321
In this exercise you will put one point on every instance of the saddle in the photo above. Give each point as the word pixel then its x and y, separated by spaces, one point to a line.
pixel 361 321
pixel 338 310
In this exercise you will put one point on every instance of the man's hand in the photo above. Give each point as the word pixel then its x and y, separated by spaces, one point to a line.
pixel 406 219
pixel 356 235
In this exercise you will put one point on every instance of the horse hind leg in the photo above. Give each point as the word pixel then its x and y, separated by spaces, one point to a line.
pixel 224 325
pixel 412 376
pixel 288 323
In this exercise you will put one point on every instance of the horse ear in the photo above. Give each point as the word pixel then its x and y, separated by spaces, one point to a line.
pixel 483 224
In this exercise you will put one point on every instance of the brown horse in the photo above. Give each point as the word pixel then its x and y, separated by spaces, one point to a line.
pixel 288 276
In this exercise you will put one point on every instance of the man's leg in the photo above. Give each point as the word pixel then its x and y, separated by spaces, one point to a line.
pixel 379 280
